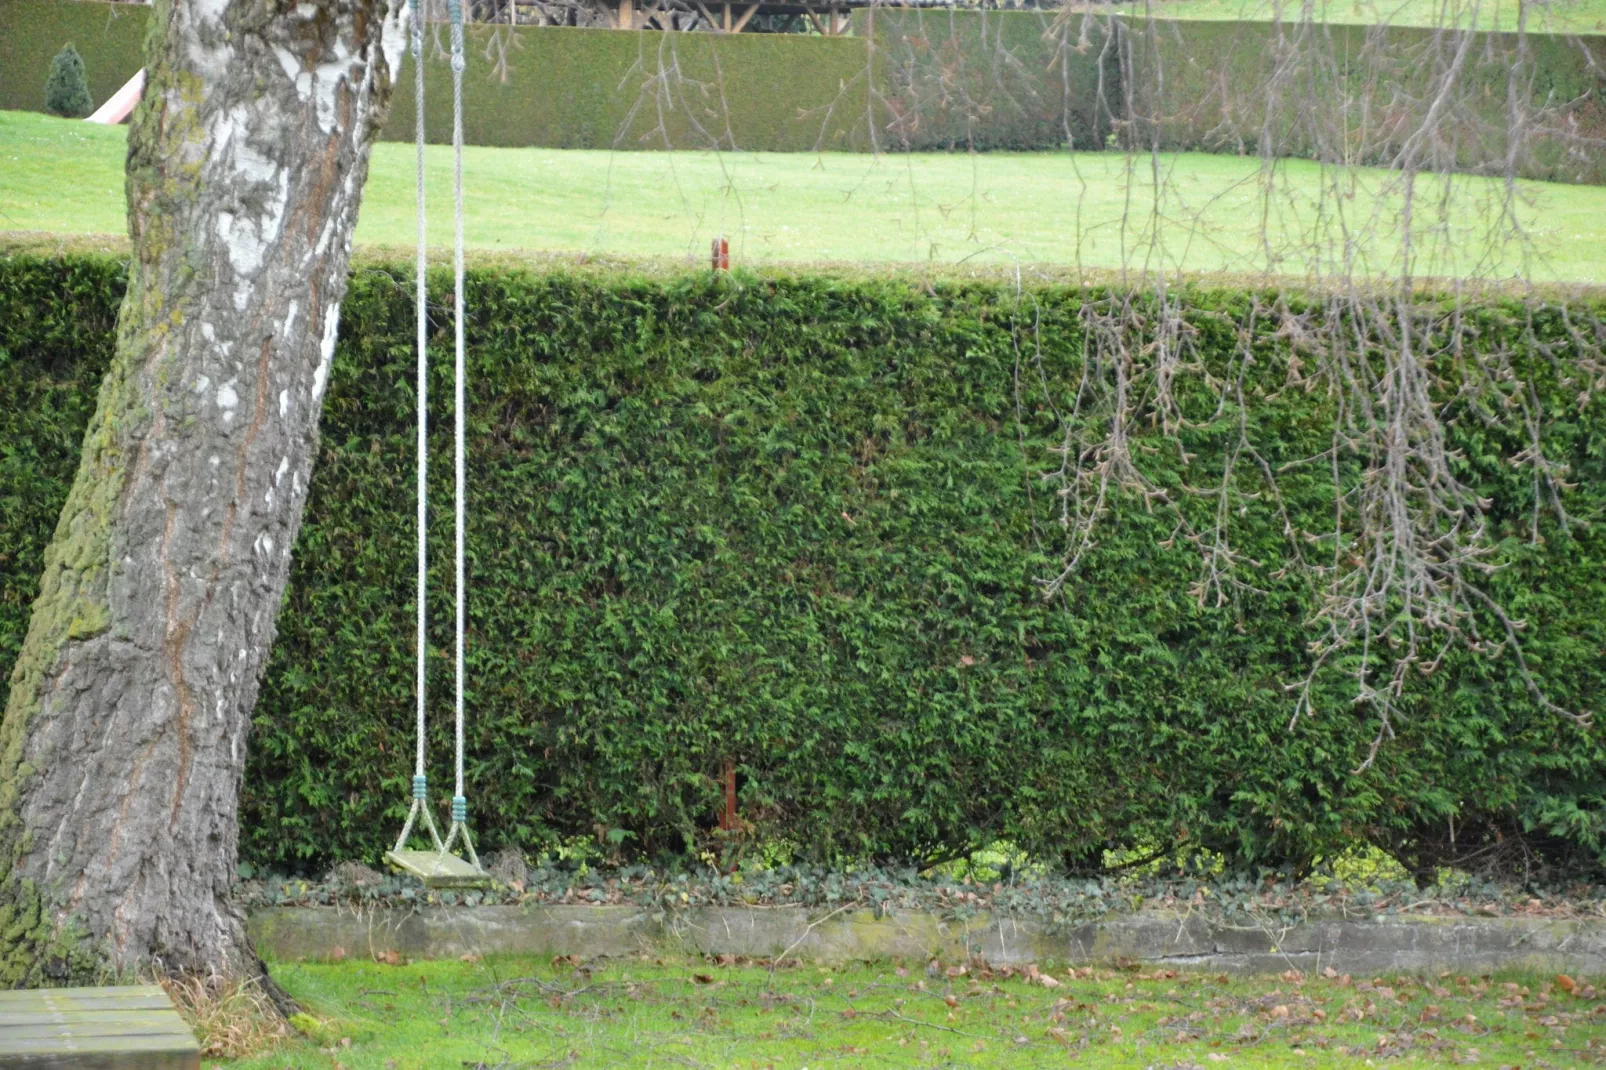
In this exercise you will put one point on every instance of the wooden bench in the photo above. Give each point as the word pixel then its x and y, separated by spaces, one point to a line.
pixel 130 1027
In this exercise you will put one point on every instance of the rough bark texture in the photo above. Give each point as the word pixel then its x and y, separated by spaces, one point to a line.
pixel 123 741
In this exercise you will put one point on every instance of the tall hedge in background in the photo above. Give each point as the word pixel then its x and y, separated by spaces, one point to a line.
pixel 583 88
pixel 993 80
pixel 974 79
pixel 1360 95
pixel 790 522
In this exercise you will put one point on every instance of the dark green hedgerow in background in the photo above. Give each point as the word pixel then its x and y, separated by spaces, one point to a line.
pixel 985 80
pixel 574 88
pixel 1361 94
pixel 786 521
pixel 993 80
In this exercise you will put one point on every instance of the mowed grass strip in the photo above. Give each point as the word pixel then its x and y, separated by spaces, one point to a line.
pixel 1095 210
pixel 729 1013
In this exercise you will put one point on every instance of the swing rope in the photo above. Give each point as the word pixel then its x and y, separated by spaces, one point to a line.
pixel 419 812
pixel 459 800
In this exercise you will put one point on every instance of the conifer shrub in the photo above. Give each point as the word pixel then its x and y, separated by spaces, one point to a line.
pixel 67 88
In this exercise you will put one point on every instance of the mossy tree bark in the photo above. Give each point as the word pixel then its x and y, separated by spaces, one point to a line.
pixel 123 741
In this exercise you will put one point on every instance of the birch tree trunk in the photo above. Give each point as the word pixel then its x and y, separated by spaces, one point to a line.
pixel 123 742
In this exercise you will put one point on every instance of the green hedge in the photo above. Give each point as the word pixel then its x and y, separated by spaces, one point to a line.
pixel 554 87
pixel 1024 80
pixel 788 521
pixel 990 80
pixel 574 88
pixel 1205 86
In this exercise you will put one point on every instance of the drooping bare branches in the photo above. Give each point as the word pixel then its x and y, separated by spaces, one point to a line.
pixel 1371 238
pixel 1400 570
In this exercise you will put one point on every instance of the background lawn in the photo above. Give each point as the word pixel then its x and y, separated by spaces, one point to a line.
pixel 695 1013
pixel 1546 16
pixel 1097 210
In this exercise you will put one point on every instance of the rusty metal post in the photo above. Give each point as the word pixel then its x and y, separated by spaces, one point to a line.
pixel 727 820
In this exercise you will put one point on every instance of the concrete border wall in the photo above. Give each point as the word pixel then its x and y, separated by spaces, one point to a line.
pixel 1404 943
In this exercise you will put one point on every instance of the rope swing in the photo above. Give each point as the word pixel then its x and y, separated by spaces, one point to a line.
pixel 439 867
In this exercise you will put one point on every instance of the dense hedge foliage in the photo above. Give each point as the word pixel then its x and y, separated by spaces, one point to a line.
pixel 558 88
pixel 992 80
pixel 788 521
pixel 581 88
pixel 1359 93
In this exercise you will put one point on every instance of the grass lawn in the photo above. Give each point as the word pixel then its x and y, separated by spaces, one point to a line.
pixel 1096 210
pixel 646 1013
pixel 1545 16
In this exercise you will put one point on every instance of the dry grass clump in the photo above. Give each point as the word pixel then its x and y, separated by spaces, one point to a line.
pixel 232 1018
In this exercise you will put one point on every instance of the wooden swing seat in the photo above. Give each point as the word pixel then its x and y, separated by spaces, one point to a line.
pixel 439 869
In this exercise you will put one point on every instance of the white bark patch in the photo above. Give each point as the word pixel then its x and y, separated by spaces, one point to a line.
pixel 210 334
pixel 243 241
pixel 201 383
pixel 264 544
pixel 284 404
pixel 320 378
pixel 393 37
pixel 253 166
pixel 291 65
pixel 245 238
pixel 208 41
pixel 327 80
pixel 227 400
pixel 278 477
pixel 256 218
pixel 337 212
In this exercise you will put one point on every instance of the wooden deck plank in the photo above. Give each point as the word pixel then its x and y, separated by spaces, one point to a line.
pixel 147 1060
pixel 75 1030
pixel 102 1045
pixel 124 1027
pixel 87 1006
pixel 137 1017
pixel 92 1046
pixel 123 994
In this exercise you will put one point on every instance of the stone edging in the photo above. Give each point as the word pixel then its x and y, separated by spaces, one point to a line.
pixel 1383 945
